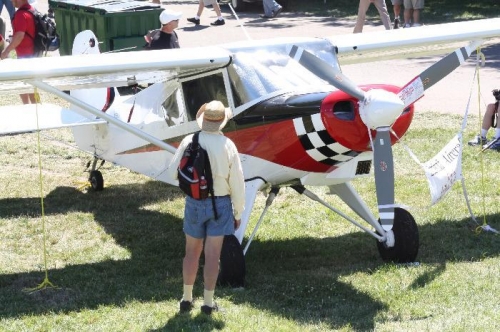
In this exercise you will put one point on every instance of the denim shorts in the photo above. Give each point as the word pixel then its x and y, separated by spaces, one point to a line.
pixel 199 220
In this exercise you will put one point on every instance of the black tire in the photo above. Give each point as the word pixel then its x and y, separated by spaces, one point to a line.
pixel 96 180
pixel 232 263
pixel 406 238
pixel 238 5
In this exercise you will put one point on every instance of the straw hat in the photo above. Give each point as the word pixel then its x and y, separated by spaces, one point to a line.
pixel 213 116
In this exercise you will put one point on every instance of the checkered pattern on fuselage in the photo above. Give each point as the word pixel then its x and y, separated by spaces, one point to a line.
pixel 318 144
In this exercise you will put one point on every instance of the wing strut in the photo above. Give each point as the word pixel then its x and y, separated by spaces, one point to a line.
pixel 102 115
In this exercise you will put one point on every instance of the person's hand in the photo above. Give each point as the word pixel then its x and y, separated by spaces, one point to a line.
pixel 237 223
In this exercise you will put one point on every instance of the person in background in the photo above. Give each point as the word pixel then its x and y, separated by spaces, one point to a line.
pixel 165 37
pixel 271 9
pixel 203 232
pixel 490 120
pixel 362 9
pixel 2 43
pixel 396 7
pixel 10 8
pixel 23 26
pixel 201 6
pixel 412 12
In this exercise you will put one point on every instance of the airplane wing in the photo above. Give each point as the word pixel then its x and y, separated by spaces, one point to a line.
pixel 27 118
pixel 400 43
pixel 109 70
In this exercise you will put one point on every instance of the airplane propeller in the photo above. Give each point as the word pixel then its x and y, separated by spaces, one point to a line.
pixel 379 109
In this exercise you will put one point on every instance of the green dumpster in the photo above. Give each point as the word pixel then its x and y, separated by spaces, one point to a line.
pixel 120 25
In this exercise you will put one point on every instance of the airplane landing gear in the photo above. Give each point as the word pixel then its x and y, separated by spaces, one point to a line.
pixel 96 180
pixel 406 239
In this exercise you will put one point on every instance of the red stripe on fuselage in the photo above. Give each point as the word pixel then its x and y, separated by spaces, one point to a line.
pixel 277 143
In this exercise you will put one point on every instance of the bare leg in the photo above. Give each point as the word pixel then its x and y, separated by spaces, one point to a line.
pixel 200 8
pixel 191 259
pixel 213 246
pixel 360 21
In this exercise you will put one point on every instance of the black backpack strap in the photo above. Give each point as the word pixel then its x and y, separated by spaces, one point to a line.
pixel 210 183
pixel 208 174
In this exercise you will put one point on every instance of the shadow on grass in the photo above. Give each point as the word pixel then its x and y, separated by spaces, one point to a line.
pixel 282 275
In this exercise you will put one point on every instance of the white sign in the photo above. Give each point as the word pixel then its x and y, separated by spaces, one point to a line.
pixel 444 169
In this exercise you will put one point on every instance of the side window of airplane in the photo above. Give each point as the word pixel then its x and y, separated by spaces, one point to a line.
pixel 344 110
pixel 203 90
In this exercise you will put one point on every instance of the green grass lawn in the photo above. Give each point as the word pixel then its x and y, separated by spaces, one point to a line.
pixel 116 255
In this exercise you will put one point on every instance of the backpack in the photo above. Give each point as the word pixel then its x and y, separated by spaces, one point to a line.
pixel 195 174
pixel 151 36
pixel 46 37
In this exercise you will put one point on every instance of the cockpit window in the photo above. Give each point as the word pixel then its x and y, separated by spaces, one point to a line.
pixel 203 90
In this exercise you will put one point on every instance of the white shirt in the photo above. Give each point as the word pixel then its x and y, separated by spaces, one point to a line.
pixel 226 167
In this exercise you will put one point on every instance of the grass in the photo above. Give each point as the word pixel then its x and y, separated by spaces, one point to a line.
pixel 115 256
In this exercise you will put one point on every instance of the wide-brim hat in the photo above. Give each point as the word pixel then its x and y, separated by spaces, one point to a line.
pixel 213 116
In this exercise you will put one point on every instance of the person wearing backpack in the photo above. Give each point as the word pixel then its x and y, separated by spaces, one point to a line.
pixel 23 26
pixel 202 229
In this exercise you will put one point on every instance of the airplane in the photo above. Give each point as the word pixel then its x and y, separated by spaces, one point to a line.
pixel 297 122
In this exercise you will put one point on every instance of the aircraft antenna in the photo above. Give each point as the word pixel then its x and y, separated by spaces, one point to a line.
pixel 240 22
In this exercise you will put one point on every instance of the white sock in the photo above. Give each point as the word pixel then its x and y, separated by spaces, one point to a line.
pixel 188 293
pixel 497 132
pixel 208 298
pixel 221 18
pixel 484 132
pixel 197 17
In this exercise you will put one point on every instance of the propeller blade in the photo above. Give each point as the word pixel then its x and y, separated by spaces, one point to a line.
pixel 384 176
pixel 414 90
pixel 326 72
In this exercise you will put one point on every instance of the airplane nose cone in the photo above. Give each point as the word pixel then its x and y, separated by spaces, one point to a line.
pixel 380 108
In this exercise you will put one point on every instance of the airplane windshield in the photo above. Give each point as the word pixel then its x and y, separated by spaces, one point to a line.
pixel 255 74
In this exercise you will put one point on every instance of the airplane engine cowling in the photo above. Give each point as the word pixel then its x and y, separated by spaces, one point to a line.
pixel 340 115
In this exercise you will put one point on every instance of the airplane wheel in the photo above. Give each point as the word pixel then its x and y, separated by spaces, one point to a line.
pixel 238 5
pixel 232 263
pixel 96 180
pixel 406 238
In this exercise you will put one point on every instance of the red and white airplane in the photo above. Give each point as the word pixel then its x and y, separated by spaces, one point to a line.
pixel 297 120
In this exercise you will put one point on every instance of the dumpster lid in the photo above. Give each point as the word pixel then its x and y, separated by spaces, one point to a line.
pixel 110 6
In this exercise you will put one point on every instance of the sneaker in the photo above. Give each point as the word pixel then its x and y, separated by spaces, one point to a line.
pixel 218 22
pixel 194 20
pixel 494 144
pixel 478 140
pixel 208 310
pixel 396 23
pixel 265 16
pixel 185 306
pixel 276 13
pixel 417 25
pixel 407 25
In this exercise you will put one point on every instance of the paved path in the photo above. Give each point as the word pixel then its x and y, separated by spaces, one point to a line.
pixel 449 95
